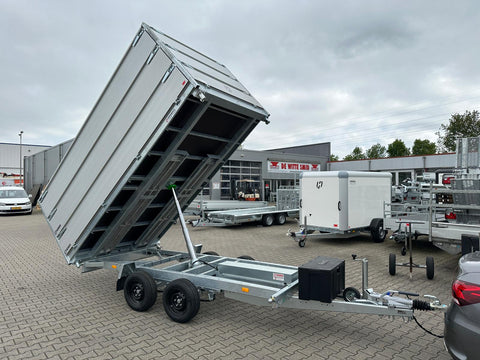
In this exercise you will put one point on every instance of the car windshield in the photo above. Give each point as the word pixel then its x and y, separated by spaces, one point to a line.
pixel 12 193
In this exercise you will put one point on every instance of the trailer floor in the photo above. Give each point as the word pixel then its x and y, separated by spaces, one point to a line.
pixel 51 310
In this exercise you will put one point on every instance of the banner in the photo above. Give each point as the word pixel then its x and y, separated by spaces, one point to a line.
pixel 283 166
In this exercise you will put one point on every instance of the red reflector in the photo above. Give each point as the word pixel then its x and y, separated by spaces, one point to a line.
pixel 451 216
pixel 465 293
pixel 335 225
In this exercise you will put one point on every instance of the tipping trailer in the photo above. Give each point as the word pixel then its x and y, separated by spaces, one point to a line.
pixel 171 116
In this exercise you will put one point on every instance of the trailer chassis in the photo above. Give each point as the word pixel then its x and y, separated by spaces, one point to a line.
pixel 184 276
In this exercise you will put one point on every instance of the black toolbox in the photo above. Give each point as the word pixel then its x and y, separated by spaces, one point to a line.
pixel 322 279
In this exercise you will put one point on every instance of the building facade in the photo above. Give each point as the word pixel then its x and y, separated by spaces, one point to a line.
pixel 12 161
pixel 261 172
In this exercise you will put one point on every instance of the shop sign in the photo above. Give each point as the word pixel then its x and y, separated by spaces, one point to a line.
pixel 283 166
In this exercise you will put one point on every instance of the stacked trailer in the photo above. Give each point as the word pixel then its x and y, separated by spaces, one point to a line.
pixel 172 116
pixel 453 226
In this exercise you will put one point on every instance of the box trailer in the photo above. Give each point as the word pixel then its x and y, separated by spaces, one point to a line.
pixel 342 203
pixel 165 123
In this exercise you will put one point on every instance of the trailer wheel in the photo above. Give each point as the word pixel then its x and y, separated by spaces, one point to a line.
pixel 267 220
pixel 181 300
pixel 245 257
pixel 392 263
pixel 301 243
pixel 377 231
pixel 140 291
pixel 430 267
pixel 280 219
pixel 350 294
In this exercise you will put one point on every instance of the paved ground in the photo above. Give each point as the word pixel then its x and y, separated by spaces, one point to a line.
pixel 49 310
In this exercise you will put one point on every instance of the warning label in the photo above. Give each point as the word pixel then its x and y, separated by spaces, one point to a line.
pixel 278 277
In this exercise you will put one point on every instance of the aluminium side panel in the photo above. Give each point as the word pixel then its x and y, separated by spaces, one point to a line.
pixel 154 125
pixel 110 141
pixel 367 193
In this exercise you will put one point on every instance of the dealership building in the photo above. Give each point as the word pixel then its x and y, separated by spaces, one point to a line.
pixel 263 172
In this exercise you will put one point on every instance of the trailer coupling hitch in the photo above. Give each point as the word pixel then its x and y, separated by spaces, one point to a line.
pixel 417 304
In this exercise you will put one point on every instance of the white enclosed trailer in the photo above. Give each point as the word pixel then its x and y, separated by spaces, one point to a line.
pixel 342 203
pixel 172 116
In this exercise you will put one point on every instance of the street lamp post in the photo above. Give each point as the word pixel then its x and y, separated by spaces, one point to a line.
pixel 20 134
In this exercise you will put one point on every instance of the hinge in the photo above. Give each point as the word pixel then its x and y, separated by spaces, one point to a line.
pixel 43 196
pixel 61 233
pixel 152 54
pixel 139 35
pixel 52 214
pixel 168 73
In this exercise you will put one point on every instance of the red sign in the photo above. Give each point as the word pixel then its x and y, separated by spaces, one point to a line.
pixel 283 166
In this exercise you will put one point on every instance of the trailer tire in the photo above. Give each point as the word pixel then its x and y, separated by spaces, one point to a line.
pixel 280 219
pixel 377 230
pixel 430 267
pixel 140 291
pixel 392 263
pixel 350 294
pixel 301 243
pixel 267 220
pixel 181 300
pixel 245 257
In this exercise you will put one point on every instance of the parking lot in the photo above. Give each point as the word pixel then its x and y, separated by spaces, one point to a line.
pixel 49 310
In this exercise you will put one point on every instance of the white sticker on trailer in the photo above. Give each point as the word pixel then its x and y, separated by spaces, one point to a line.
pixel 278 277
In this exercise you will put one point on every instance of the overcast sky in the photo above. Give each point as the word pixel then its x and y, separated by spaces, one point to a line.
pixel 353 73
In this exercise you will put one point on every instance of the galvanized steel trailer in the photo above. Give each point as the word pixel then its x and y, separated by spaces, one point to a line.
pixel 171 115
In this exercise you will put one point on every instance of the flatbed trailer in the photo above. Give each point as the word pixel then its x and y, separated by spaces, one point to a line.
pixel 200 206
pixel 164 125
pixel 267 215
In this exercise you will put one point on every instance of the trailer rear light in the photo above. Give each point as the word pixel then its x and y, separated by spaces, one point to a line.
pixel 451 216
pixel 465 293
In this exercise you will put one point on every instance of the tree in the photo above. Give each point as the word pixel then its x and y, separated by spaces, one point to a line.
pixel 377 151
pixel 357 154
pixel 333 157
pixel 423 147
pixel 397 148
pixel 459 126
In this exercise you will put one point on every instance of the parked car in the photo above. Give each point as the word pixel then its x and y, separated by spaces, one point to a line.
pixel 462 319
pixel 14 200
